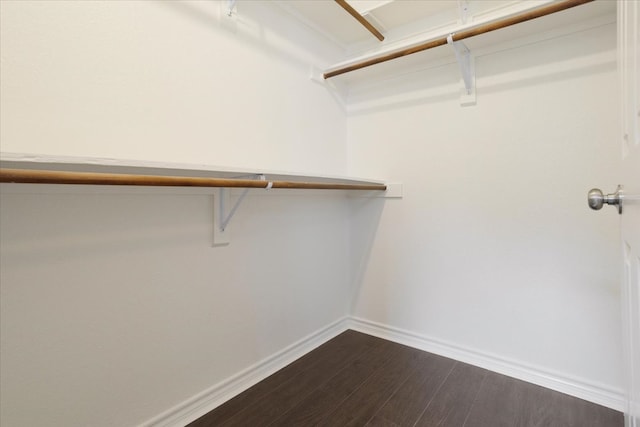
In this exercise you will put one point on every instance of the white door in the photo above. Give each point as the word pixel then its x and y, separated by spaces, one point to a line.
pixel 629 69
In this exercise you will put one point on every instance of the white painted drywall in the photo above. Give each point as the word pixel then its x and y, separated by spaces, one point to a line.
pixel 168 81
pixel 492 247
pixel 115 307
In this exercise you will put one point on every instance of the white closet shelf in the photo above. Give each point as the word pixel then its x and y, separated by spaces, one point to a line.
pixel 34 176
pixel 517 24
pixel 36 169
pixel 456 34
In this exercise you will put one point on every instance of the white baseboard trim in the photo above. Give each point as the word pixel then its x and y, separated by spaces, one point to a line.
pixel 576 387
pixel 198 405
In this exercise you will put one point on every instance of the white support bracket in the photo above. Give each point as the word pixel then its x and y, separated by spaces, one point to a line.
pixel 221 218
pixel 230 9
pixel 463 10
pixel 229 15
pixel 466 62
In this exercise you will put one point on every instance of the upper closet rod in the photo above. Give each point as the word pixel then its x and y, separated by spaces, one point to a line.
pixel 89 178
pixel 361 19
pixel 470 32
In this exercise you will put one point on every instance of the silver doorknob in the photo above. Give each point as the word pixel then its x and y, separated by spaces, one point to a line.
pixel 597 199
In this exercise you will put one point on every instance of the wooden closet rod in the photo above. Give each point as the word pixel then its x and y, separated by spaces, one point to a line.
pixel 90 178
pixel 470 32
pixel 361 19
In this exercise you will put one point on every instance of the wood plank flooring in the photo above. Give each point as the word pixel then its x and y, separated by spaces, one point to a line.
pixel 359 380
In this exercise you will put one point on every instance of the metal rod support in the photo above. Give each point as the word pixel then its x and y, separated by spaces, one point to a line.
pixel 227 218
pixel 463 56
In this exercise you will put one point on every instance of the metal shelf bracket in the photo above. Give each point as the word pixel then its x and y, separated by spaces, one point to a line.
pixel 466 62
pixel 463 9
pixel 231 8
pixel 221 218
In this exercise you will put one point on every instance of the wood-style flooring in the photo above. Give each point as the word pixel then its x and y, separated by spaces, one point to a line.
pixel 359 380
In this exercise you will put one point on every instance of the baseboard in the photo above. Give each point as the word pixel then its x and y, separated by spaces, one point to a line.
pixel 198 405
pixel 576 387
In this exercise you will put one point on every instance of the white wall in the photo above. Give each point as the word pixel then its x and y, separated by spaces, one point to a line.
pixel 493 249
pixel 167 81
pixel 115 306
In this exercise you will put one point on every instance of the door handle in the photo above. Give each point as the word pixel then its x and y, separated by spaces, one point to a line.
pixel 597 199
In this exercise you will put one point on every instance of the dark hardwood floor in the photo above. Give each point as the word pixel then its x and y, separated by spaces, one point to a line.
pixel 359 380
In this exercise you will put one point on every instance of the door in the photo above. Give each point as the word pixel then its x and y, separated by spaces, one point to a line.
pixel 629 71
